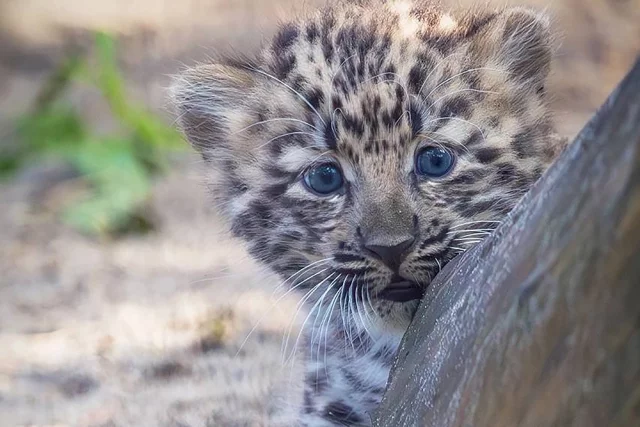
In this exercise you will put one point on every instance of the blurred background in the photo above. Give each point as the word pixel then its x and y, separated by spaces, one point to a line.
pixel 122 299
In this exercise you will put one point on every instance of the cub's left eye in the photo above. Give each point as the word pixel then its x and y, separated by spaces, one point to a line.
pixel 434 162
pixel 324 179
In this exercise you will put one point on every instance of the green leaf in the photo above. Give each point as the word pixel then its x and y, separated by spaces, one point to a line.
pixel 56 130
pixel 120 186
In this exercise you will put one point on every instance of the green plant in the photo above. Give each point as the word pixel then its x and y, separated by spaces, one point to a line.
pixel 118 168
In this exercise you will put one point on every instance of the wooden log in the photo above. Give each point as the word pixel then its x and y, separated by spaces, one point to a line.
pixel 540 324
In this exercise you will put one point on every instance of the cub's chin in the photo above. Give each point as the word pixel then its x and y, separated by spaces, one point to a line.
pixel 395 316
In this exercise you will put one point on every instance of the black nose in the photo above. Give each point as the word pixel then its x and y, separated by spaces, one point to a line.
pixel 393 253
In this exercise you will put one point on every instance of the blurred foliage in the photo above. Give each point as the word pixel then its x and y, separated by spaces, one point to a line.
pixel 118 168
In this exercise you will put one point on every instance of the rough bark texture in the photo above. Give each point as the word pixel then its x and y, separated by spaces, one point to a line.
pixel 540 325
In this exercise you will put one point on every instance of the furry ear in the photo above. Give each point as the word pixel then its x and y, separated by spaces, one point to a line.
pixel 212 101
pixel 526 47
pixel 520 40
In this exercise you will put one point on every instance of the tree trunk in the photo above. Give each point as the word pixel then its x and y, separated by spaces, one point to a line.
pixel 540 324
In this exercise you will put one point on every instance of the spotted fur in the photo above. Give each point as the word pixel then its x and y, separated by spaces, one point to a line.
pixel 367 84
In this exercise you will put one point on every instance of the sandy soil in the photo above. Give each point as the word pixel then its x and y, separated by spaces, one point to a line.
pixel 146 330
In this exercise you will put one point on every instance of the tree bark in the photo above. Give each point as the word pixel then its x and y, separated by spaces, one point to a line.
pixel 540 324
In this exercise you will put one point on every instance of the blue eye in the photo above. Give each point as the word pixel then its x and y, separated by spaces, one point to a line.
pixel 324 179
pixel 434 162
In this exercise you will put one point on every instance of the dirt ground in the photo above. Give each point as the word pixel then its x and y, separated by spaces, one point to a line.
pixel 152 330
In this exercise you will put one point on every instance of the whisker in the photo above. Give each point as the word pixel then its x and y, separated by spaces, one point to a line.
pixel 284 136
pixel 366 300
pixel 475 222
pixel 468 242
pixel 433 104
pixel 472 236
pixel 461 120
pixel 340 67
pixel 313 326
pixel 297 273
pixel 474 230
pixel 447 137
pixel 362 320
pixel 326 333
pixel 352 311
pixel 342 308
pixel 439 85
pixel 315 306
pixel 272 306
pixel 275 120
pixel 292 90
pixel 299 306
pixel 442 61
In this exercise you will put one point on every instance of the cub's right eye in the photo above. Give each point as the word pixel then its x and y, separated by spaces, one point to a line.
pixel 324 179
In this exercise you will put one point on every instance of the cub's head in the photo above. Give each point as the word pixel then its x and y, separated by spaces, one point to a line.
pixel 371 143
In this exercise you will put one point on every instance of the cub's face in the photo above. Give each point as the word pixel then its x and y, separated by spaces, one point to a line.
pixel 363 150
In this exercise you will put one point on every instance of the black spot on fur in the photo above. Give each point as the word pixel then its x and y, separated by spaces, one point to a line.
pixel 315 97
pixel 277 174
pixel 470 210
pixel 308 402
pixel 261 212
pixel 397 112
pixel 235 186
pixel 416 120
pixel 506 173
pixel 475 138
pixel 330 137
pixel 478 24
pixel 469 177
pixel 312 32
pixel 456 106
pixel 417 75
pixel 524 143
pixel 341 413
pixel 443 43
pixel 336 102
pixel 353 125
pixel 387 120
pixel 487 155
pixel 283 65
pixel 437 238
pixel 352 271
pixel 276 190
pixel 318 381
pixel 285 38
pixel 242 225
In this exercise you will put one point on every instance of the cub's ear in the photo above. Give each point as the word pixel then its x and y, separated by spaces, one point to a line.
pixel 520 41
pixel 212 101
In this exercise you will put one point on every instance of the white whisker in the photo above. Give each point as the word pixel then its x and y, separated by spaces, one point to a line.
pixel 440 62
pixel 326 333
pixel 292 90
pixel 439 85
pixel 311 312
pixel 284 136
pixel 475 222
pixel 299 306
pixel 473 230
pixel 275 120
pixel 273 305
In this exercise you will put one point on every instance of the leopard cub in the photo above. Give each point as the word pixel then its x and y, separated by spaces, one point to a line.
pixel 363 149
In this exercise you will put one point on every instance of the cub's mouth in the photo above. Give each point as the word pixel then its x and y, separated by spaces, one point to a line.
pixel 401 290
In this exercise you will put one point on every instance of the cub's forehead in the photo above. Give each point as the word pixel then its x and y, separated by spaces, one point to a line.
pixel 363 69
pixel 362 41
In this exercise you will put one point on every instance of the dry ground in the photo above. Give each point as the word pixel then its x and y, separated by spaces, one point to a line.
pixel 145 330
